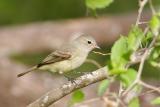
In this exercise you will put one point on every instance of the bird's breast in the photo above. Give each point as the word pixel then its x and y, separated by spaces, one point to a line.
pixel 77 61
pixel 66 65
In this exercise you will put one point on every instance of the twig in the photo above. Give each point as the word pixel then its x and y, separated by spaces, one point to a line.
pixel 142 3
pixel 147 52
pixel 148 92
pixel 121 103
pixel 109 103
pixel 87 101
pixel 102 53
pixel 119 94
pixel 93 62
pixel 151 7
pixel 80 82
pixel 140 23
pixel 149 86
pixel 130 88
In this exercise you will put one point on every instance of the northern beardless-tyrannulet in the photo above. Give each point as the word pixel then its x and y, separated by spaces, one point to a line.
pixel 68 57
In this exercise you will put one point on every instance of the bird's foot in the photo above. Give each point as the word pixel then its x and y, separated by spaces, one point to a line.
pixel 72 80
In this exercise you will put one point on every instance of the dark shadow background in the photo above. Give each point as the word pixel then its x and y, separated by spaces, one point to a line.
pixel 24 11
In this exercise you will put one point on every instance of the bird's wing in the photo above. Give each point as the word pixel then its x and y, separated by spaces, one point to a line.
pixel 55 57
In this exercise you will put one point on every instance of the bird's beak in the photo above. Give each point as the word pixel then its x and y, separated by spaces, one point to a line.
pixel 96 46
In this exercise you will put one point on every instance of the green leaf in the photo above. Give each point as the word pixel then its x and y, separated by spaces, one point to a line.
pixel 118 53
pixel 102 87
pixel 155 57
pixel 116 71
pixel 156 53
pixel 128 77
pixel 134 103
pixel 134 38
pixel 156 101
pixel 98 4
pixel 147 38
pixel 155 24
pixel 77 96
pixel 155 64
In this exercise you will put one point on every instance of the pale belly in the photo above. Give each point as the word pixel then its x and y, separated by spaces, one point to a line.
pixel 65 66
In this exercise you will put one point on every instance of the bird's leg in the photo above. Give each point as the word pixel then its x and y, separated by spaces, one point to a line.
pixel 71 79
pixel 84 73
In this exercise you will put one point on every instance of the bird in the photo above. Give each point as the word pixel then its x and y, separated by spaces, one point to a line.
pixel 68 57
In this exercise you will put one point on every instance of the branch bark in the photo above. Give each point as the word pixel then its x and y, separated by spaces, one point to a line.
pixel 80 82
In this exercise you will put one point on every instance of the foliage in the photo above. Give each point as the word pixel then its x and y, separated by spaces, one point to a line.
pixel 77 97
pixel 118 52
pixel 123 50
pixel 156 101
pixel 134 103
pixel 155 28
pixel 155 24
pixel 98 4
pixel 128 77
pixel 102 87
pixel 135 37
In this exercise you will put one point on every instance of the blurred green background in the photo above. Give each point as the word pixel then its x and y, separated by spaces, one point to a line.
pixel 24 11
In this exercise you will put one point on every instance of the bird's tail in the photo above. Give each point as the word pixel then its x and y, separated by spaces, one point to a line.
pixel 29 70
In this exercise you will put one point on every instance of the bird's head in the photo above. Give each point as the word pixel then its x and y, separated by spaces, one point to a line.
pixel 86 42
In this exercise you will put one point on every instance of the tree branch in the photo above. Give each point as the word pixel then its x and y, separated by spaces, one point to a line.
pixel 80 82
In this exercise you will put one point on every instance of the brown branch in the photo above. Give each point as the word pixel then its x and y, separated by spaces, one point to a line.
pixel 80 82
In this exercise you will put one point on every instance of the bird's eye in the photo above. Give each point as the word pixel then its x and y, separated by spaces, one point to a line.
pixel 89 42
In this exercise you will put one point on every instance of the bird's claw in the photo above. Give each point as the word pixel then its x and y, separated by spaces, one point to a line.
pixel 72 80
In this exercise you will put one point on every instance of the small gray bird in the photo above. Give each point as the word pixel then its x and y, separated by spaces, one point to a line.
pixel 68 57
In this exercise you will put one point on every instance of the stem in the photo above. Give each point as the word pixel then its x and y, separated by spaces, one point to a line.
pixel 93 62
pixel 86 102
pixel 142 3
pixel 151 7
pixel 129 88
pixel 148 92
pixel 149 86
pixel 119 94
